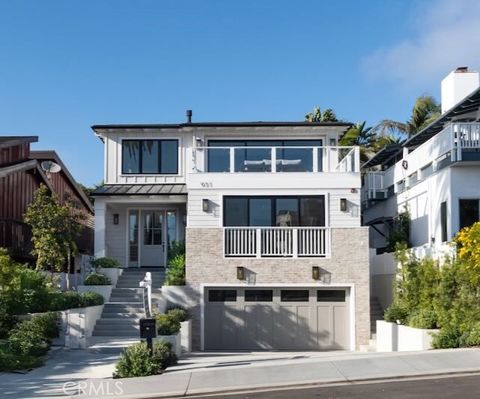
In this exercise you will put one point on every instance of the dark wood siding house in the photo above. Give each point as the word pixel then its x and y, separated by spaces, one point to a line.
pixel 20 175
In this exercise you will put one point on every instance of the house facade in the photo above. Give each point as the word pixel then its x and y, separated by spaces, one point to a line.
pixel 21 174
pixel 270 215
pixel 434 176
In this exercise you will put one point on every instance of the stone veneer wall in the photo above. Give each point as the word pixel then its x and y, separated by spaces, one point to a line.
pixel 349 263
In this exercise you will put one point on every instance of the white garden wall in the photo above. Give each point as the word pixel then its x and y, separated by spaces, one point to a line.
pixel 392 337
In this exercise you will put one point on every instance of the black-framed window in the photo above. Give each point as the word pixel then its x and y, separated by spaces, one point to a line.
pixel 294 295
pixel 150 156
pixel 331 296
pixel 222 295
pixel 249 160
pixel 281 211
pixel 258 295
pixel 443 220
pixel 469 212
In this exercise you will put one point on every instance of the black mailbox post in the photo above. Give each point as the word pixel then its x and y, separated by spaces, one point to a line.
pixel 148 331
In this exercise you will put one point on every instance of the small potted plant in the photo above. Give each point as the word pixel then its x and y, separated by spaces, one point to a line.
pixel 109 267
pixel 99 283
pixel 168 329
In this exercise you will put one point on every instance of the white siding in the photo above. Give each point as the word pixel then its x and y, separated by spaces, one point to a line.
pixel 335 218
pixel 116 234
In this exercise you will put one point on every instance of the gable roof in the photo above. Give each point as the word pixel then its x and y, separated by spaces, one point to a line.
pixel 53 156
pixel 9 141
pixel 25 166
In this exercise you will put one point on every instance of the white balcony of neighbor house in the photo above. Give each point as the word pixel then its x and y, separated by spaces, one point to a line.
pixel 321 166
pixel 457 143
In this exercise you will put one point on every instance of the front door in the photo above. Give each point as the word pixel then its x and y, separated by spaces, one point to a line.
pixel 152 238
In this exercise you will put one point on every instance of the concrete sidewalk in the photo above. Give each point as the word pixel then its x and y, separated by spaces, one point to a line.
pixel 273 370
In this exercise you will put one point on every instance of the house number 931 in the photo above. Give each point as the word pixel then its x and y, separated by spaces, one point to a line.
pixel 206 184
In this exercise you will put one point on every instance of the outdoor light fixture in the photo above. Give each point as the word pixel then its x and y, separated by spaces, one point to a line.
pixel 115 218
pixel 343 204
pixel 333 142
pixel 240 273
pixel 205 205
pixel 316 272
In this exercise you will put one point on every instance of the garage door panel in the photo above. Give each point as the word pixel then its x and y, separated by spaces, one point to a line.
pixel 340 324
pixel 238 323
pixel 258 327
pixel 324 326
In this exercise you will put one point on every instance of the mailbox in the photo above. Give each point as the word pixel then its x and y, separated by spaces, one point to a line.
pixel 148 328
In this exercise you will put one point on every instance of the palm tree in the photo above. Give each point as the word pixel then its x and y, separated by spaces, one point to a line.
pixel 425 110
pixel 364 137
pixel 317 116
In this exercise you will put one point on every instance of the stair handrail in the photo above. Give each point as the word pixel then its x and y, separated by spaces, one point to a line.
pixel 146 284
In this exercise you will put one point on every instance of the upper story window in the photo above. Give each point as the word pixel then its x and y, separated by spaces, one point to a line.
pixel 150 157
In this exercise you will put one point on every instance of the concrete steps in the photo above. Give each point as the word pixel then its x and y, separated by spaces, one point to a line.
pixel 120 320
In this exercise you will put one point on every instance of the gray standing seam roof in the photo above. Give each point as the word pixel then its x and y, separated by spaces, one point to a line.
pixel 141 189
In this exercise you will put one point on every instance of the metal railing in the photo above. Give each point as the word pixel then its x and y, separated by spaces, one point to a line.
pixel 275 159
pixel 146 284
pixel 263 242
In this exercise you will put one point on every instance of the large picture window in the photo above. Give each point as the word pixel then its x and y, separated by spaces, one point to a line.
pixel 150 156
pixel 281 211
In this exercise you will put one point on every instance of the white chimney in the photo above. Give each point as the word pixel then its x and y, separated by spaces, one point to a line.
pixel 457 85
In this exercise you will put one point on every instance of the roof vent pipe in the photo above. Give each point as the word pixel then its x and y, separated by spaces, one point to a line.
pixel 189 116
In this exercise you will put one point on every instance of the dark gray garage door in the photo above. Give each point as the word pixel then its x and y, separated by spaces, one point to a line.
pixel 276 318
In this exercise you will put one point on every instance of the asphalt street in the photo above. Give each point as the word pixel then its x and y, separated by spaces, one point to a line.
pixel 452 387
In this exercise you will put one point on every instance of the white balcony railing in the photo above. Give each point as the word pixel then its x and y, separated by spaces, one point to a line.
pixel 275 159
pixel 455 143
pixel 263 242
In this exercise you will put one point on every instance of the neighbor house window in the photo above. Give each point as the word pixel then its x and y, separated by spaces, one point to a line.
pixel 150 156
pixel 469 212
pixel 281 211
pixel 443 220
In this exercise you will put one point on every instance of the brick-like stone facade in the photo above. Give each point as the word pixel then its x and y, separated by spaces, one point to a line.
pixel 349 263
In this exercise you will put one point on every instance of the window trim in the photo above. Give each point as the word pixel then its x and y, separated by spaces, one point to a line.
pixel 273 207
pixel 140 173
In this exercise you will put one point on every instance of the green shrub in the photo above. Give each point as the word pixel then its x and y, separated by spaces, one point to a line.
pixel 396 313
pixel 106 263
pixel 46 323
pixel 167 324
pixel 91 298
pixel 448 337
pixel 423 318
pixel 136 360
pixel 178 314
pixel 26 340
pixel 473 336
pixel 176 248
pixel 22 289
pixel 7 321
pixel 65 300
pixel 176 271
pixel 97 279
pixel 10 361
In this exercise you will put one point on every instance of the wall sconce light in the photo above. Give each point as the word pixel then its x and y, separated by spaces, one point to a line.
pixel 333 142
pixel 205 205
pixel 115 218
pixel 316 273
pixel 240 273
pixel 343 204
pixel 199 141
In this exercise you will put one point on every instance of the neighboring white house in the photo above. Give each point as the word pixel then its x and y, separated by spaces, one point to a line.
pixel 435 175
pixel 270 214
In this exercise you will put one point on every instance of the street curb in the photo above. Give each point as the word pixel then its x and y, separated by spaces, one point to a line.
pixel 306 384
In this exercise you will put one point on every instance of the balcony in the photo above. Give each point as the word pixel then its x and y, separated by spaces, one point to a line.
pixel 277 242
pixel 457 142
pixel 286 159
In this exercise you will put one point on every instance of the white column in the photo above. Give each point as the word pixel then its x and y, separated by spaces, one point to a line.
pixel 100 216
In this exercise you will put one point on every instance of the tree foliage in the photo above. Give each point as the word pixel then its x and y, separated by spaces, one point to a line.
pixel 468 241
pixel 425 110
pixel 318 116
pixel 55 227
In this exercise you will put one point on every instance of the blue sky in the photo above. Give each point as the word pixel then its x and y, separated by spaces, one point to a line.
pixel 65 65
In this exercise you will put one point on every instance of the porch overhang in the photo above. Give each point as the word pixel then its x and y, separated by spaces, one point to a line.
pixel 140 190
